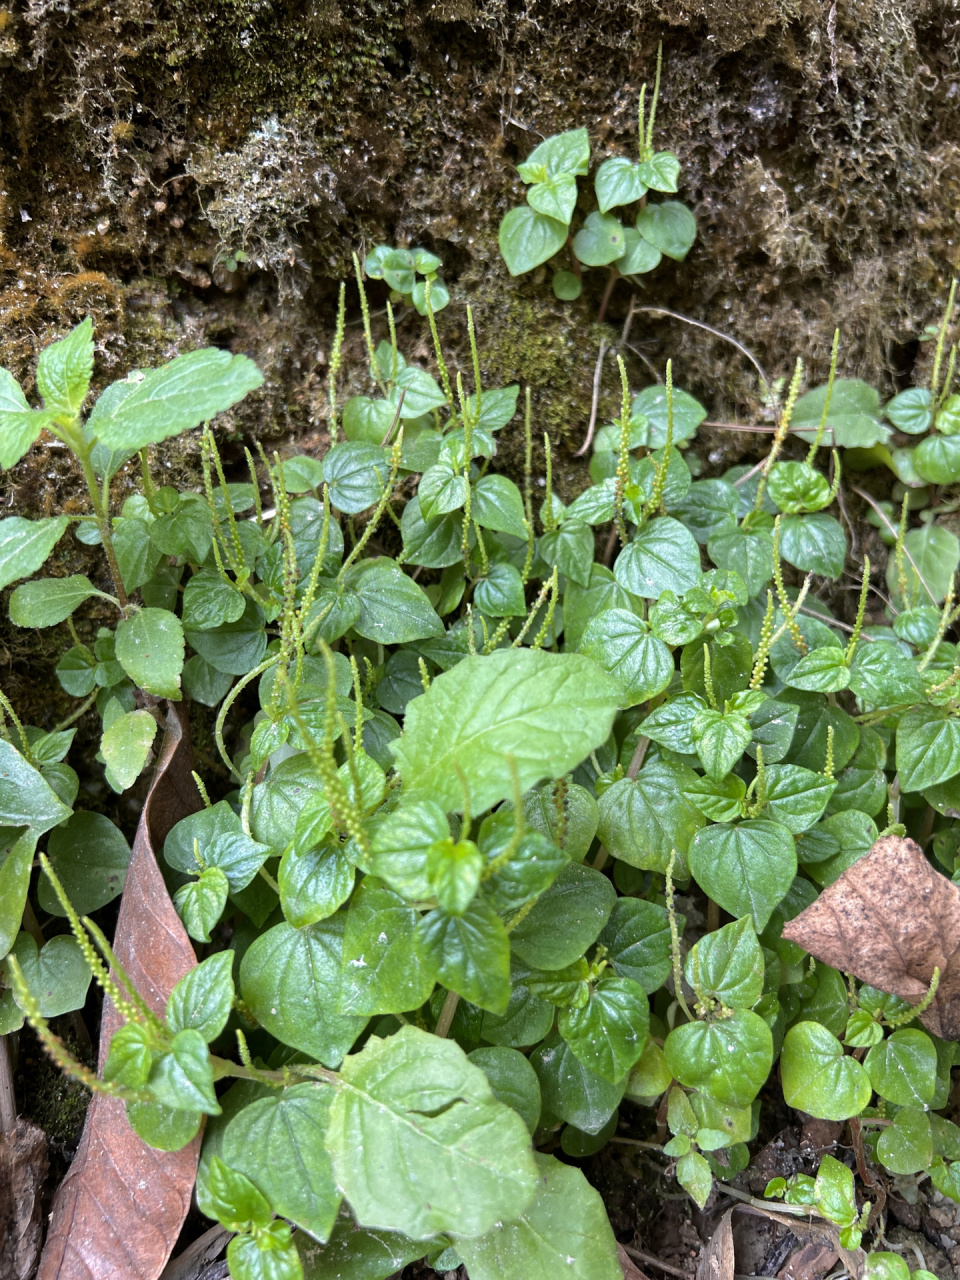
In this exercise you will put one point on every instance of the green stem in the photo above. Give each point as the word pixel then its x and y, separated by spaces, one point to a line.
pixel 84 452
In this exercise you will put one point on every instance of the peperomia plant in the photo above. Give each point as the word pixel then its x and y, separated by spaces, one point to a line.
pixel 539 230
pixel 439 941
pixel 400 268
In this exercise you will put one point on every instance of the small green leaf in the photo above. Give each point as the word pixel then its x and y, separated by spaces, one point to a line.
pixel 600 241
pixel 512 1080
pixel 639 256
pixel 566 286
pixel 393 608
pixel 651 403
pixel 910 411
pixel 90 856
pixel 149 647
pixel 935 555
pixel 208 602
pixel 622 644
pixel 469 953
pixel 527 239
pixel 928 748
pixel 669 227
pixel 695 1176
pixel 290 978
pixel 818 1078
pixel 200 903
pixel 182 1078
pixel 662 557
pixel 383 971
pixel 65 368
pixel 618 181
pixel 729 1060
pixel 497 505
pixel 747 867
pixel 903 1069
pixel 637 941
pixel 608 1034
pixel 813 543
pixel 727 965
pixel 19 424
pixel 203 998
pixel 556 197
pixel 720 739
pixel 126 746
pixel 47 601
pixel 570 1090
pixel 25 544
pixel 661 171
pixel 565 920
pixel 279 1141
pixel 499 594
pixel 643 821
pixel 937 459
pixel 906 1146
pixel 854 416
pixel 567 152
pixel 57 975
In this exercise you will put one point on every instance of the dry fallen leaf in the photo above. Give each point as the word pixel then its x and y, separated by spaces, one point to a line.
pixel 717 1260
pixel 890 920
pixel 810 1262
pixel 23 1167
pixel 119 1210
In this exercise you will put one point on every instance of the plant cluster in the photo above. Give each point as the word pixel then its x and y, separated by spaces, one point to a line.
pixel 400 269
pixel 537 231
pixel 436 915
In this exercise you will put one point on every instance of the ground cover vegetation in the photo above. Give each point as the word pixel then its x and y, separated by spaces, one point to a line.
pixel 492 737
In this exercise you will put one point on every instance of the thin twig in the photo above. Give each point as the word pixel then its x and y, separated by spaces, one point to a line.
pixel 649 363
pixel 639 1256
pixel 748 474
pixel 597 373
pixel 740 426
pixel 8 1100
pixel 717 333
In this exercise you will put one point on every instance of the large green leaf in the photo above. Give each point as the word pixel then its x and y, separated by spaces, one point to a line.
pixel 278 1142
pixel 25 544
pixel 934 554
pixel 290 978
pixel 564 1232
pixel 511 718
pixel 637 941
pixel 47 601
pixel 189 390
pixel 420 1144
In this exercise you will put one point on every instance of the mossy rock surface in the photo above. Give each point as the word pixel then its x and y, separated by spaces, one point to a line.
pixel 145 144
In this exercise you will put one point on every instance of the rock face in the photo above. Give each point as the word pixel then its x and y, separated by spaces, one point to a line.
pixel 145 144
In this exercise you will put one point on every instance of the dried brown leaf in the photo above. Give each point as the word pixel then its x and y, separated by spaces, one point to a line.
pixel 810 1262
pixel 890 920
pixel 23 1167
pixel 120 1208
pixel 717 1260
